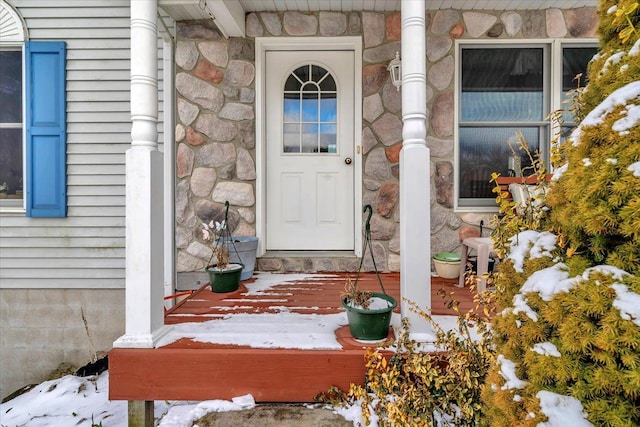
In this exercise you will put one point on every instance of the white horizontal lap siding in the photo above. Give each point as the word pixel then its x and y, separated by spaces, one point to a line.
pixel 85 249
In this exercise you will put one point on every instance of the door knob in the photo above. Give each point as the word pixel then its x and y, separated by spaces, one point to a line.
pixel 348 160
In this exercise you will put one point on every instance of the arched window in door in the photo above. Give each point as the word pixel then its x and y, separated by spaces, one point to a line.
pixel 310 111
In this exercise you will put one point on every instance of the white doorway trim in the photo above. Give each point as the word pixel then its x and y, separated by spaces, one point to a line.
pixel 263 44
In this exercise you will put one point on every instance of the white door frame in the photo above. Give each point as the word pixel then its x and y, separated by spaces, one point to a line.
pixel 263 44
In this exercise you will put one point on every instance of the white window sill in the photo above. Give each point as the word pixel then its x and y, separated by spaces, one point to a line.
pixel 476 209
pixel 12 211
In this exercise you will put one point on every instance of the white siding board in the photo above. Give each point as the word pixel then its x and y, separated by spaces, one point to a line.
pixel 97 64
pixel 68 273
pixel 92 106
pixel 80 33
pixel 11 222
pixel 98 143
pixel 77 180
pixel 107 253
pixel 74 12
pixel 108 128
pixel 54 283
pixel 94 117
pixel 98 148
pixel 98 86
pixel 104 75
pixel 70 263
pixel 80 54
pixel 66 242
pixel 97 190
pixel 91 44
pixel 97 200
pixel 97 96
pixel 110 24
pixel 97 212
pixel 91 169
pixel 85 249
pixel 66 4
pixel 101 159
pixel 50 232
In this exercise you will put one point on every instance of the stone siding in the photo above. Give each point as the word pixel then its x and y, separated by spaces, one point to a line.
pixel 215 133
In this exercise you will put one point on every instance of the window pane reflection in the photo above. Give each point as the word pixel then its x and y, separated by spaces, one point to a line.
pixel 310 138
pixel 291 109
pixel 574 62
pixel 484 150
pixel 328 108
pixel 503 84
pixel 292 84
pixel 11 163
pixel 291 138
pixel 302 73
pixel 310 107
pixel 327 83
pixel 310 111
pixel 328 139
pixel 11 87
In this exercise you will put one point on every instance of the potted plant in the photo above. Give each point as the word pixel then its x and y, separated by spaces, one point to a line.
pixel 369 313
pixel 224 276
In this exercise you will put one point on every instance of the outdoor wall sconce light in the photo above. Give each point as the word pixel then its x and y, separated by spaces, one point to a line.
pixel 395 70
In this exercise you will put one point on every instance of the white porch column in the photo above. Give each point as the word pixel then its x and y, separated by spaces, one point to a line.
pixel 144 208
pixel 415 212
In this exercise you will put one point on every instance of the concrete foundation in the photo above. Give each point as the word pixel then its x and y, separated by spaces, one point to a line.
pixel 41 328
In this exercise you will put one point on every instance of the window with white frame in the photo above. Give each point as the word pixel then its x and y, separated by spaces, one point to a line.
pixel 506 89
pixel 11 174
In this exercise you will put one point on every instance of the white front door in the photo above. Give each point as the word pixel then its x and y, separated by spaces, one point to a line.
pixel 309 100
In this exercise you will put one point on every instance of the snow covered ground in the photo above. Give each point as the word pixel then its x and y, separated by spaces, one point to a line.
pixel 84 402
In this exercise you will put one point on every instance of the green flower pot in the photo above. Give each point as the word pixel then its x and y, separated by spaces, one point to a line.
pixel 227 280
pixel 370 324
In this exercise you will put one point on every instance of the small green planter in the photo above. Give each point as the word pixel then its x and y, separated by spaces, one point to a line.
pixel 227 280
pixel 372 324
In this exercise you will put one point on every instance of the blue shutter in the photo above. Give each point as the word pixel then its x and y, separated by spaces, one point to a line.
pixel 46 156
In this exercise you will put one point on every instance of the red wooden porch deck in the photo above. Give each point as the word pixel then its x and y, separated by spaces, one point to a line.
pixel 186 369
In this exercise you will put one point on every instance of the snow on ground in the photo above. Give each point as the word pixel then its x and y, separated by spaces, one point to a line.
pixel 68 401
pixel 186 415
pixel 84 401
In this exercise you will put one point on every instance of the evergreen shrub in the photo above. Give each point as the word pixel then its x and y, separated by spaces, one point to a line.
pixel 570 289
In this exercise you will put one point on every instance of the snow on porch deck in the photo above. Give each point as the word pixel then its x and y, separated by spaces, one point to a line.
pixel 298 311
pixel 280 337
pixel 303 293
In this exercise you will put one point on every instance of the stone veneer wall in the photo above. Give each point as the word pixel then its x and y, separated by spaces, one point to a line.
pixel 215 133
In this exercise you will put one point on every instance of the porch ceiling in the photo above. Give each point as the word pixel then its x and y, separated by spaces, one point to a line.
pixel 229 14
